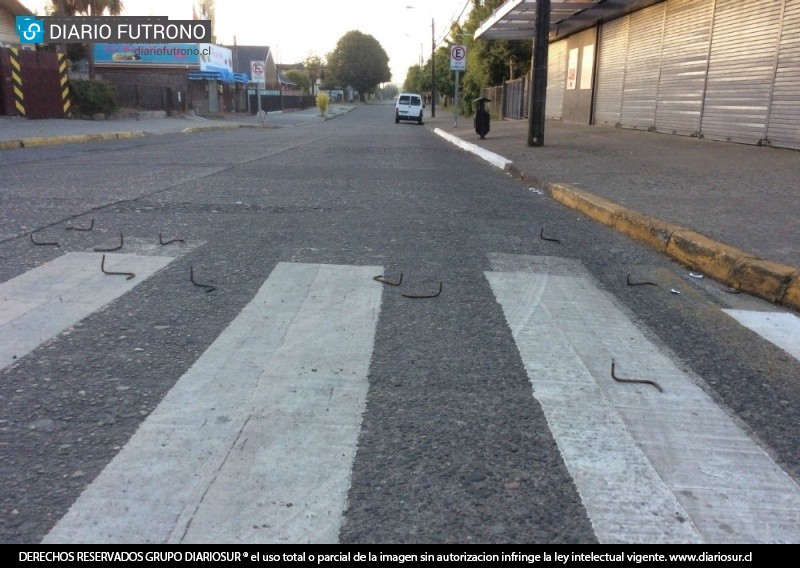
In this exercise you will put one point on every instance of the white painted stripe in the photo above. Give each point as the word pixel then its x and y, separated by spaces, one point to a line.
pixel 255 443
pixel 496 160
pixel 43 302
pixel 650 466
pixel 780 328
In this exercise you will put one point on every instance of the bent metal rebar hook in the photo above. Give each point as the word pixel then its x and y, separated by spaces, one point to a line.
pixel 121 242
pixel 541 236
pixel 383 280
pixel 207 287
pixel 643 283
pixel 73 228
pixel 103 268
pixel 160 240
pixel 418 296
pixel 43 244
pixel 640 381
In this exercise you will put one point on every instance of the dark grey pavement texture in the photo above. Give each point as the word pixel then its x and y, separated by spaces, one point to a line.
pixel 741 196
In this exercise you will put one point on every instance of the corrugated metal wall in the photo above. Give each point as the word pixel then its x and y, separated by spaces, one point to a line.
pixel 721 69
pixel 556 78
pixel 784 118
pixel 645 35
pixel 610 83
pixel 741 70
pixel 684 62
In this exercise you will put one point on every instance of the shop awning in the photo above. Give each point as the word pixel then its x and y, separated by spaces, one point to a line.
pixel 515 18
pixel 224 76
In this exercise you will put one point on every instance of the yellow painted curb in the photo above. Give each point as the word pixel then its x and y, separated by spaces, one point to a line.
pixel 595 207
pixel 778 283
pixel 706 255
pixel 192 129
pixel 36 142
pixel 10 144
pixel 792 296
pixel 648 230
pixel 764 278
pixel 39 141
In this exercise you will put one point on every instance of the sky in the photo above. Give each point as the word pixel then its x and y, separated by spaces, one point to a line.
pixel 298 28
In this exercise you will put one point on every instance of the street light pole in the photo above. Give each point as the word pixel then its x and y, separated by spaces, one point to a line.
pixel 433 72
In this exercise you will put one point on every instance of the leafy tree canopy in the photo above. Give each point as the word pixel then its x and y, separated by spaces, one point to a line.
pixel 300 79
pixel 359 61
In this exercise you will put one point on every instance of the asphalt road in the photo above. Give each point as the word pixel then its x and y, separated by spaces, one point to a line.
pixel 440 436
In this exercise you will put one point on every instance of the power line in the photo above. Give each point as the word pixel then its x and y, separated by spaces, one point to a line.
pixel 453 20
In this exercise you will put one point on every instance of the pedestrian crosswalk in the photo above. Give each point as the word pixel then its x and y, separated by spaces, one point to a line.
pixel 257 440
pixel 39 304
pixel 651 466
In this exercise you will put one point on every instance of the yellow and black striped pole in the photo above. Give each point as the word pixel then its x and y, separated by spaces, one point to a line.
pixel 63 79
pixel 16 81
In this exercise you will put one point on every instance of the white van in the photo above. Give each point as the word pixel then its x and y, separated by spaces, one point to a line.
pixel 409 107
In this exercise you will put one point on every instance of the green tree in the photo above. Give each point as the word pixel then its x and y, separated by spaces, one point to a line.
pixel 88 8
pixel 314 67
pixel 300 79
pixel 489 63
pixel 359 61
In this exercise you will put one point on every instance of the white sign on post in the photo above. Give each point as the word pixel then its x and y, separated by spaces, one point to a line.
pixel 257 71
pixel 458 58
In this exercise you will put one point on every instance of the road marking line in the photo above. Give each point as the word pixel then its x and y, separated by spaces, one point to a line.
pixel 650 467
pixel 43 302
pixel 255 443
pixel 780 328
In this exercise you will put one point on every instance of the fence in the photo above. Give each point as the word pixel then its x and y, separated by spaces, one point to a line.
pixel 33 84
pixel 509 100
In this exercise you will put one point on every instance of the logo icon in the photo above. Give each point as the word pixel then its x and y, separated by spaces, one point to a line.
pixel 30 29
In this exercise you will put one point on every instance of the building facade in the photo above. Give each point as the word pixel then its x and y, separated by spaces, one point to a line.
pixel 720 69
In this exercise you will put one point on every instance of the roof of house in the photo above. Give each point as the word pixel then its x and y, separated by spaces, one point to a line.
pixel 244 54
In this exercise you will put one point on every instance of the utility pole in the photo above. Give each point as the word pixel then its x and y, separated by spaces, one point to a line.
pixel 539 74
pixel 433 72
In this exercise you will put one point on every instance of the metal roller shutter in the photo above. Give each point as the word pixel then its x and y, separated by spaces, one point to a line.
pixel 684 63
pixel 556 78
pixel 643 64
pixel 611 71
pixel 741 70
pixel 784 118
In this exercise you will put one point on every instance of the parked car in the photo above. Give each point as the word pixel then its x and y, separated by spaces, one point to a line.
pixel 408 107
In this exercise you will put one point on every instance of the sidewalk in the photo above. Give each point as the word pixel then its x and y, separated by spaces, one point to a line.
pixel 18 132
pixel 729 210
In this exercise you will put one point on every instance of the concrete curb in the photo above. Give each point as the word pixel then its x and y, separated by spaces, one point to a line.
pixel 193 129
pixel 496 160
pixel 772 281
pixel 740 270
pixel 39 141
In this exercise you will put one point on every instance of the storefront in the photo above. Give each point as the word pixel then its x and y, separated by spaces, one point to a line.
pixel 191 78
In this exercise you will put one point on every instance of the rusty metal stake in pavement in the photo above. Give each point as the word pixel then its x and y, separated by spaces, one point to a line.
pixel 419 296
pixel 72 228
pixel 207 287
pixel 121 242
pixel 160 240
pixel 103 268
pixel 43 244
pixel 541 236
pixel 383 280
pixel 639 381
